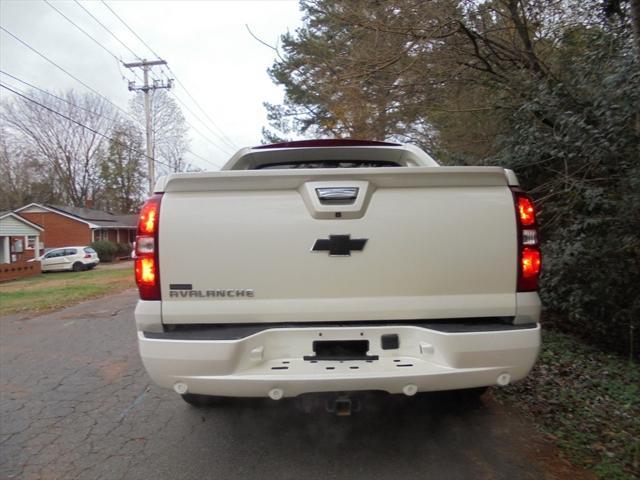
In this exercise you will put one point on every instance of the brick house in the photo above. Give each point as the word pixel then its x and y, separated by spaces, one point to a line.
pixel 19 243
pixel 65 226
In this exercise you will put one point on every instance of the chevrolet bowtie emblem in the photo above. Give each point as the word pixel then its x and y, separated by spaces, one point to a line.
pixel 339 245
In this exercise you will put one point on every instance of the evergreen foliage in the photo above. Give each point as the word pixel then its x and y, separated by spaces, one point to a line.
pixel 548 88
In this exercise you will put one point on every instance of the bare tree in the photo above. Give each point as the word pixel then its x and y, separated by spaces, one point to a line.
pixel 122 170
pixel 23 178
pixel 169 131
pixel 71 151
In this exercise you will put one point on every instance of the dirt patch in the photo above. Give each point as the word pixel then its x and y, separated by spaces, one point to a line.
pixel 112 372
pixel 540 451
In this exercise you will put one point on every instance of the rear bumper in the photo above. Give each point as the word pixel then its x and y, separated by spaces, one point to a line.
pixel 426 359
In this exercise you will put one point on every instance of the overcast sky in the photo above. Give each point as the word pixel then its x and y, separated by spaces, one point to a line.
pixel 205 43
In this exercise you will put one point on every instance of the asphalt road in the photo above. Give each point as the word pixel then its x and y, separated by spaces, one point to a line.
pixel 75 402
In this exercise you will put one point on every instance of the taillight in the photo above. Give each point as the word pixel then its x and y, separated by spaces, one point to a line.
pixel 530 262
pixel 87 255
pixel 529 257
pixel 526 212
pixel 146 266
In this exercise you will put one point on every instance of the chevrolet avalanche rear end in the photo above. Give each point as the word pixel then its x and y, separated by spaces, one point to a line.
pixel 322 266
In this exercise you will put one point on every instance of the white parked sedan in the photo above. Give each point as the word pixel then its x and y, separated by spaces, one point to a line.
pixel 69 258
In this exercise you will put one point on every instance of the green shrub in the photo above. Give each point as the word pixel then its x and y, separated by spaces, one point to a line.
pixel 579 158
pixel 106 250
pixel 124 250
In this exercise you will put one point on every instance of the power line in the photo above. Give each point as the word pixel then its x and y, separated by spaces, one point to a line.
pixel 146 88
pixel 175 96
pixel 226 143
pixel 82 30
pixel 223 137
pixel 191 125
pixel 82 125
pixel 213 164
pixel 107 29
pixel 67 72
pixel 117 59
pixel 85 85
pixel 57 97
pixel 91 37
pixel 130 29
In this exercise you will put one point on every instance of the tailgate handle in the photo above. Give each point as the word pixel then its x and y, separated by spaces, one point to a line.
pixel 337 194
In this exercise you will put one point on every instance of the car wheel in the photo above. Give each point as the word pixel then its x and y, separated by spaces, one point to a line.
pixel 77 267
pixel 200 401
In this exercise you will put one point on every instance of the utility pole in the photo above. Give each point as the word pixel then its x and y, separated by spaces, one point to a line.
pixel 146 66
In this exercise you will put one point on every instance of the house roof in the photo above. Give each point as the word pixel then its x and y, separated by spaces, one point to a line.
pixel 99 217
pixel 9 213
pixel 94 218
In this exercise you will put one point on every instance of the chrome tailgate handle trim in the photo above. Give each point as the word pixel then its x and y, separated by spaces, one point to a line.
pixel 337 194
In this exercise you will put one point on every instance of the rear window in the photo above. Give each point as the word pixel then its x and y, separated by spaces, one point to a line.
pixel 89 250
pixel 328 164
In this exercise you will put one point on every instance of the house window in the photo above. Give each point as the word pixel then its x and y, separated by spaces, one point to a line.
pixel 101 235
pixel 31 242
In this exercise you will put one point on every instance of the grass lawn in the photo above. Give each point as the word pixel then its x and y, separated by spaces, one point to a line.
pixel 586 401
pixel 50 291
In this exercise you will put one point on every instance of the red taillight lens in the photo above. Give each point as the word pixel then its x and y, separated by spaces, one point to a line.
pixel 146 266
pixel 87 255
pixel 530 262
pixel 146 270
pixel 526 211
pixel 148 220
pixel 529 257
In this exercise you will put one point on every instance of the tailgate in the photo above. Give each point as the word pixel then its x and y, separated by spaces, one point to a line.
pixel 413 243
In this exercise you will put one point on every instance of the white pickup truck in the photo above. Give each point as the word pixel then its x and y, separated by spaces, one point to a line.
pixel 337 265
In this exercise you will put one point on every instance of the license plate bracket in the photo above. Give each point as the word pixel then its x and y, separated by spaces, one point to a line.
pixel 340 350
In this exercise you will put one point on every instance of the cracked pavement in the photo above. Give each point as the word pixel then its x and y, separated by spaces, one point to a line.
pixel 75 402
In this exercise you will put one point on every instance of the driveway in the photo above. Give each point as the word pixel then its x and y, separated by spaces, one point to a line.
pixel 76 403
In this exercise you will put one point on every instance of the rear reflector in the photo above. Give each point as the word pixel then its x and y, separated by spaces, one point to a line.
pixel 147 264
pixel 529 237
pixel 145 244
